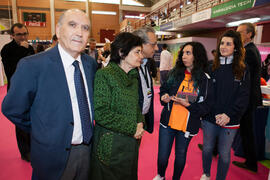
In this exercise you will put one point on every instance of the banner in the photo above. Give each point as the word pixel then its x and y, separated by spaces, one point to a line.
pixel 261 2
pixel 166 26
pixel 201 16
pixel 34 19
pixel 231 7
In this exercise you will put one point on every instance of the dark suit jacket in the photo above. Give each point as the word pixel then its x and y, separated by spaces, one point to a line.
pixel 253 60
pixel 149 117
pixel 39 102
pixel 11 54
pixel 96 53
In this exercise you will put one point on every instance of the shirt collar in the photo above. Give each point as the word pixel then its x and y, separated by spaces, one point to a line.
pixel 226 60
pixel 144 62
pixel 91 51
pixel 247 43
pixel 67 59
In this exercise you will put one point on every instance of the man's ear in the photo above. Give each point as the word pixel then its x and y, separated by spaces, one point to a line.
pixel 57 30
pixel 249 35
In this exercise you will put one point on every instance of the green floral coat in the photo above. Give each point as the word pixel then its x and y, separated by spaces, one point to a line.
pixel 117 112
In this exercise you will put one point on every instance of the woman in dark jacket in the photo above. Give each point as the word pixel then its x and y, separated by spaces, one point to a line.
pixel 231 89
pixel 186 96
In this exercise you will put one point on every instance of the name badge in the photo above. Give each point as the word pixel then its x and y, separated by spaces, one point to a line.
pixel 149 94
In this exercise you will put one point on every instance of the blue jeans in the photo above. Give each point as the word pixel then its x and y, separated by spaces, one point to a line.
pixel 166 138
pixel 225 136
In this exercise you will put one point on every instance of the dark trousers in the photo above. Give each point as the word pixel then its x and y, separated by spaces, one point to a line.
pixel 166 138
pixel 78 165
pixel 247 136
pixel 225 136
pixel 24 142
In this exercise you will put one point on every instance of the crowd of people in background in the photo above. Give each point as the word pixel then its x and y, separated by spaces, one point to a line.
pixel 75 123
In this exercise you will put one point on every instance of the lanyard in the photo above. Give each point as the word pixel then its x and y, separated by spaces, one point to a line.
pixel 145 75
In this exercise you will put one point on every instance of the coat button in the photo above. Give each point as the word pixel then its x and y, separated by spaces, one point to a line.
pixel 72 123
pixel 67 149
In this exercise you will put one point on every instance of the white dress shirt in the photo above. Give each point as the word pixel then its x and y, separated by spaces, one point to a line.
pixel 166 61
pixel 69 71
pixel 146 89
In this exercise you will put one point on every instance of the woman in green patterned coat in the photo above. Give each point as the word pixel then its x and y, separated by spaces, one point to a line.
pixel 119 122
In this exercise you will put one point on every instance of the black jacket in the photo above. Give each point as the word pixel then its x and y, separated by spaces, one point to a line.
pixel 199 108
pixel 231 95
pixel 11 53
pixel 253 60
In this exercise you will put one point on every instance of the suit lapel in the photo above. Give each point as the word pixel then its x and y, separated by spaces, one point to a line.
pixel 58 72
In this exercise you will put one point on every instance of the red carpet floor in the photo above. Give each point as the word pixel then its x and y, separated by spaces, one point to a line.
pixel 13 168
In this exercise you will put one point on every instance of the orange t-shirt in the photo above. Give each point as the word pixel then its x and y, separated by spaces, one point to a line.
pixel 179 114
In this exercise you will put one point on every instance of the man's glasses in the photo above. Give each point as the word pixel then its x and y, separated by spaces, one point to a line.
pixel 21 34
pixel 153 44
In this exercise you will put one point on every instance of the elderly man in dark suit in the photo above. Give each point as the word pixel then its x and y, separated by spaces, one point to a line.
pixel 253 61
pixel 51 96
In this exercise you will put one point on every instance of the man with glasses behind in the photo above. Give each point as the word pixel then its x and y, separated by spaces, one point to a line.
pixel 11 54
pixel 146 92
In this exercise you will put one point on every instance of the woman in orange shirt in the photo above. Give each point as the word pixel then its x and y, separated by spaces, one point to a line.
pixel 186 96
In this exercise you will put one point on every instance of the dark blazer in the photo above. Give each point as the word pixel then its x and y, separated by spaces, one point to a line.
pixel 11 54
pixel 96 53
pixel 253 60
pixel 149 117
pixel 39 102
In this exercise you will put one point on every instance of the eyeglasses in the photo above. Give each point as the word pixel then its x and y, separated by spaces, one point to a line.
pixel 21 34
pixel 153 44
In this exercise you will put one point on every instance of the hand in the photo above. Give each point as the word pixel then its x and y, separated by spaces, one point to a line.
pixel 183 102
pixel 222 119
pixel 139 131
pixel 24 44
pixel 99 52
pixel 100 56
pixel 165 98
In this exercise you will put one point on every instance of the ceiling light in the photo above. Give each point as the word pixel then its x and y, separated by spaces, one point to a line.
pixel 236 23
pixel 124 2
pixel 179 35
pixel 135 17
pixel 104 12
pixel 181 4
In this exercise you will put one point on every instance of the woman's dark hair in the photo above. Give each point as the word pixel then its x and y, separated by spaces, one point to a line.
pixel 238 64
pixel 200 64
pixel 122 45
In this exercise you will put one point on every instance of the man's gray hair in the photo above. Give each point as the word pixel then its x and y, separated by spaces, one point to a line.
pixel 250 28
pixel 62 16
pixel 142 33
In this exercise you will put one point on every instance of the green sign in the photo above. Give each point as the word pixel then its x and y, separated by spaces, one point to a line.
pixel 230 7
